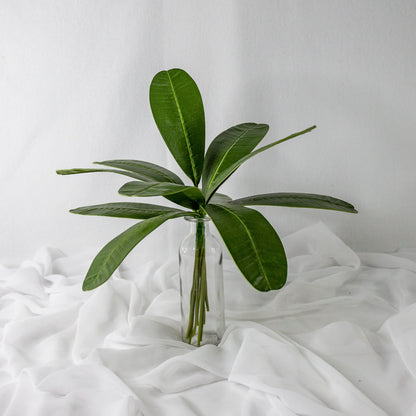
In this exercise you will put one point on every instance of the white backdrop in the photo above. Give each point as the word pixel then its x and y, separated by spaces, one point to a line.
pixel 74 78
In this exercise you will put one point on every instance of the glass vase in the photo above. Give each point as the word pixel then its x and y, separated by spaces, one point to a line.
pixel 201 285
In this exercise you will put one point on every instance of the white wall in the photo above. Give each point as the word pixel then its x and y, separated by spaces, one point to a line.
pixel 74 79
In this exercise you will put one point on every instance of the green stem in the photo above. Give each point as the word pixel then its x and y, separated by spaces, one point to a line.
pixel 191 315
pixel 203 280
pixel 194 299
pixel 199 294
pixel 197 285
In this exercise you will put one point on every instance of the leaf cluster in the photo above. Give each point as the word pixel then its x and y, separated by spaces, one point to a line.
pixel 253 243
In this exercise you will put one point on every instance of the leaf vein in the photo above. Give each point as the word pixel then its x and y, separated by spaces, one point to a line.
pixel 188 145
pixel 148 168
pixel 225 155
pixel 251 241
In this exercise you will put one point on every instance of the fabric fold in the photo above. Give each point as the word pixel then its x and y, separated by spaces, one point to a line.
pixel 338 339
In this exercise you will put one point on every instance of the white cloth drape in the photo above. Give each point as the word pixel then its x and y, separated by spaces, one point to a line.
pixel 338 339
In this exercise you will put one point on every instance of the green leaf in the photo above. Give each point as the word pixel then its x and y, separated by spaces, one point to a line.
pixel 125 210
pixel 111 256
pixel 76 171
pixel 184 200
pixel 146 170
pixel 297 200
pixel 145 175
pixel 226 173
pixel 229 147
pixel 191 194
pixel 220 199
pixel 178 111
pixel 253 244
pixel 155 173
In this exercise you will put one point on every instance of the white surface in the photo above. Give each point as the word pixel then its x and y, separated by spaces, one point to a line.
pixel 338 339
pixel 74 79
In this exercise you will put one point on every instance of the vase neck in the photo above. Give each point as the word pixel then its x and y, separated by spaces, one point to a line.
pixel 201 224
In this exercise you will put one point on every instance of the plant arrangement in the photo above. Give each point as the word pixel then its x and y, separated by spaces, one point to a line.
pixel 252 242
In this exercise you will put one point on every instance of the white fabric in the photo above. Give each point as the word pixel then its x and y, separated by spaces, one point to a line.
pixel 338 339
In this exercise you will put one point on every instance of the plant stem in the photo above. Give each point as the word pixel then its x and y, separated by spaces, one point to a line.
pixel 199 293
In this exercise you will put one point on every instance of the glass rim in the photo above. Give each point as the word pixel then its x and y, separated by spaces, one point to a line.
pixel 197 219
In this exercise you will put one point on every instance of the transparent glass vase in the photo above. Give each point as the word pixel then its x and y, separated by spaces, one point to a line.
pixel 201 285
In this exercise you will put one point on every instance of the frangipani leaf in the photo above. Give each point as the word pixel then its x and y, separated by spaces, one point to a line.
pixel 253 244
pixel 226 173
pixel 220 199
pixel 134 210
pixel 147 171
pixel 152 172
pixel 111 256
pixel 190 194
pixel 229 147
pixel 178 111
pixel 179 199
pixel 78 170
pixel 297 200
pixel 182 199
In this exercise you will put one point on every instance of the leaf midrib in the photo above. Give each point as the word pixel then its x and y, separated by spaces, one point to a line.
pixel 145 167
pixel 134 210
pixel 251 241
pixel 238 163
pixel 103 265
pixel 134 228
pixel 154 185
pixel 225 155
pixel 325 198
pixel 188 145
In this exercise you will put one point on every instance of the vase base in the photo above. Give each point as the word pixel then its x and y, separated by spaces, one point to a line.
pixel 207 339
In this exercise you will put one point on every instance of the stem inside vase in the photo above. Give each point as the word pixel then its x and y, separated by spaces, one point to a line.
pixel 201 285
pixel 199 304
